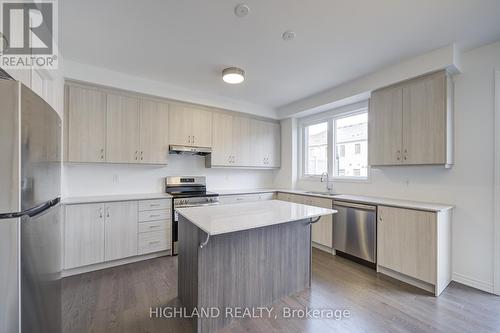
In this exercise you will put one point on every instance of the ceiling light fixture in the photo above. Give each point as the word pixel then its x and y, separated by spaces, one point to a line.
pixel 241 10
pixel 233 75
pixel 288 35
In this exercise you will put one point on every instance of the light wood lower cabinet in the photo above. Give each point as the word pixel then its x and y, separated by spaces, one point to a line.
pixel 83 235
pixel 120 230
pixel 98 233
pixel 322 231
pixel 415 244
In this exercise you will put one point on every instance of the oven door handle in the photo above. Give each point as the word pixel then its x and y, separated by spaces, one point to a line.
pixel 198 205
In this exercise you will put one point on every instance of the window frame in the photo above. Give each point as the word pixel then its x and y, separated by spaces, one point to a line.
pixel 329 117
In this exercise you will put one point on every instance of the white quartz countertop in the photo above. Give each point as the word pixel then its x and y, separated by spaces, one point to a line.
pixel 111 198
pixel 433 207
pixel 221 219
pixel 400 203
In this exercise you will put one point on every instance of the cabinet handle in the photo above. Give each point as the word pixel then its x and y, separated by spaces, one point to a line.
pixel 102 153
pixel 154 242
pixel 136 153
pixel 405 155
pixel 154 205
pixel 193 138
pixel 154 215
pixel 100 213
pixel 153 226
pixel 398 155
pixel 107 212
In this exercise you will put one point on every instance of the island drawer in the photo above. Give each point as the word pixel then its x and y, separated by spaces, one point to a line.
pixel 154 241
pixel 154 204
pixel 154 215
pixel 154 226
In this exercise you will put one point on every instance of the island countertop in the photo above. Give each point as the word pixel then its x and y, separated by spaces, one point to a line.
pixel 221 219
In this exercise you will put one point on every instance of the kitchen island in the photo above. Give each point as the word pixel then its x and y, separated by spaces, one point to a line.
pixel 243 256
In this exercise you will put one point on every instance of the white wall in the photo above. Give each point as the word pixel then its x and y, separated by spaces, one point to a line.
pixel 468 185
pixel 98 75
pixel 103 179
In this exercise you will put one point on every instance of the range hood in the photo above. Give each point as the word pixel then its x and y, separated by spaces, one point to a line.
pixel 188 150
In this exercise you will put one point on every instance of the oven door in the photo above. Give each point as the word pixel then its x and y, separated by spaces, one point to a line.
pixel 175 221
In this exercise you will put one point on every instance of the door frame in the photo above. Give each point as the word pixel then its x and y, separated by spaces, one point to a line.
pixel 496 196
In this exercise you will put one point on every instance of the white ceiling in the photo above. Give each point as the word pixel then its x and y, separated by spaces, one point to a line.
pixel 188 42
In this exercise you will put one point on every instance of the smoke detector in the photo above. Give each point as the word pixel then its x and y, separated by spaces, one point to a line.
pixel 241 10
pixel 288 35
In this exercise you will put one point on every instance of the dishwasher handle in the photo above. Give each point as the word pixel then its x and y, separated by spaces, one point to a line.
pixel 354 205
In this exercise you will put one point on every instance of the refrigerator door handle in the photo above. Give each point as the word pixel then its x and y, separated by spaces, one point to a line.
pixel 32 211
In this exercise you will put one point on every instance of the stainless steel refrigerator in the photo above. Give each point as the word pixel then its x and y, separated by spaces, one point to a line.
pixel 30 218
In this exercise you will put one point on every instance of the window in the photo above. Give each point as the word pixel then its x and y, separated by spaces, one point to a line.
pixel 336 143
pixel 351 136
pixel 316 149
pixel 342 151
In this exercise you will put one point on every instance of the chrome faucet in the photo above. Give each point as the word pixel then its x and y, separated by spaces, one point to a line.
pixel 325 178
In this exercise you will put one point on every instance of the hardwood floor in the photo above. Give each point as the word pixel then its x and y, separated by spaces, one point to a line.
pixel 119 300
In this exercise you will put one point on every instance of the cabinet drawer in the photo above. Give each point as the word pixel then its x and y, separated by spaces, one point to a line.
pixel 155 215
pixel 154 241
pixel 154 226
pixel 154 204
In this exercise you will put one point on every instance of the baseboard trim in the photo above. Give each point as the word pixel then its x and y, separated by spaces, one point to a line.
pixel 407 279
pixel 104 265
pixel 468 281
pixel 323 248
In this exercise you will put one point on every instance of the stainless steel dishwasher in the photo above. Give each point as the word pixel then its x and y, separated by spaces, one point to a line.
pixel 355 230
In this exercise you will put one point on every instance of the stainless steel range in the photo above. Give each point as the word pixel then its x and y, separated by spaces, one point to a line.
pixel 187 192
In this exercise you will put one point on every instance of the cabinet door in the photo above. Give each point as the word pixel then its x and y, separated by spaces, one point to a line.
pixel 121 230
pixel 122 128
pixel 322 231
pixel 83 235
pixel 154 132
pixel 406 242
pixel 424 120
pixel 180 125
pixel 258 139
pixel 86 125
pixel 202 128
pixel 385 130
pixel 274 146
pixel 242 141
pixel 222 150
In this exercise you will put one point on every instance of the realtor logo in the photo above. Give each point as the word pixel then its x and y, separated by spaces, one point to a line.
pixel 28 34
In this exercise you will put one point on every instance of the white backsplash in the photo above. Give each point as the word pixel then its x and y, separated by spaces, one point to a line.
pixel 103 179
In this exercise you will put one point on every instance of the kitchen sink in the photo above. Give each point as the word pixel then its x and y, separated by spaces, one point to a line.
pixel 322 193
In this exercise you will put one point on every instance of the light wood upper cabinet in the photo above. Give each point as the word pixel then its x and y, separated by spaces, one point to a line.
pixel 245 142
pixel 121 230
pixel 411 123
pixel 86 125
pixel 241 141
pixel 122 130
pixel 154 132
pixel 385 131
pixel 190 126
pixel 407 242
pixel 222 150
pixel 424 121
pixel 83 235
pixel 202 128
